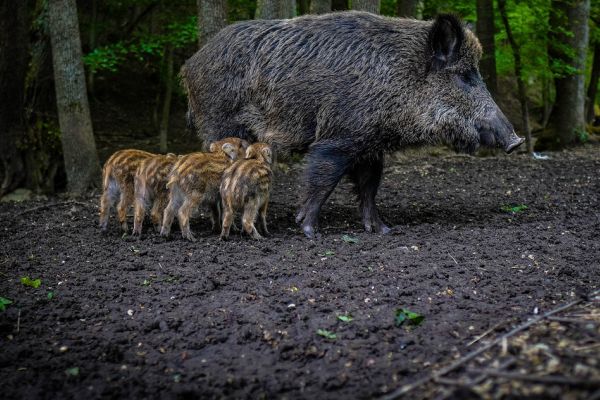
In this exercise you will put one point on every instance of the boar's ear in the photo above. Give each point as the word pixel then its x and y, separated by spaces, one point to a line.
pixel 229 149
pixel 267 154
pixel 445 39
pixel 245 144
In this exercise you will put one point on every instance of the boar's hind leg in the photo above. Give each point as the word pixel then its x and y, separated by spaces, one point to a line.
pixel 366 176
pixel 326 164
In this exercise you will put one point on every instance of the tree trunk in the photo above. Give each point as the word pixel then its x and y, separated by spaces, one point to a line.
pixel 485 32
pixel 568 40
pixel 409 8
pixel 287 8
pixel 518 68
pixel 77 137
pixel 339 5
pixel 92 38
pixel 547 102
pixel 212 17
pixel 275 9
pixel 266 9
pixel 303 7
pixel 371 6
pixel 166 111
pixel 320 6
pixel 593 85
pixel 13 67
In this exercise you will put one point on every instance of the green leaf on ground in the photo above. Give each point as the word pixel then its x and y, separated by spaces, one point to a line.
pixel 4 302
pixel 345 318
pixel 146 282
pixel 412 318
pixel 72 371
pixel 349 239
pixel 34 283
pixel 514 209
pixel 326 334
pixel 50 295
pixel 328 253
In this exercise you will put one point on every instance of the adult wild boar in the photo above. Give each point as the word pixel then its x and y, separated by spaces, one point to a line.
pixel 345 88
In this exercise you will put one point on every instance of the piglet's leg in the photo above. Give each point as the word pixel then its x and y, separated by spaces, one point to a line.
pixel 366 176
pixel 228 215
pixel 124 203
pixel 248 218
pixel 107 201
pixel 326 165
pixel 169 214
pixel 157 210
pixel 184 214
pixel 139 207
pixel 263 218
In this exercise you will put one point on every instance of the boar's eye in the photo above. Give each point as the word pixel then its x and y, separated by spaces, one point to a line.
pixel 468 79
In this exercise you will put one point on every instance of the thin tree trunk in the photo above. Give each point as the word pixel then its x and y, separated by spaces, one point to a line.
pixel 275 9
pixel 92 38
pixel 409 8
pixel 593 85
pixel 166 111
pixel 485 32
pixel 547 103
pixel 77 137
pixel 568 30
pixel 303 7
pixel 518 69
pixel 266 9
pixel 320 6
pixel 339 5
pixel 287 9
pixel 13 67
pixel 212 17
pixel 371 6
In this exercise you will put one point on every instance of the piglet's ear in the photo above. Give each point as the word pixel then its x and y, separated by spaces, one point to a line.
pixel 245 144
pixel 268 155
pixel 212 147
pixel 249 152
pixel 229 149
pixel 446 37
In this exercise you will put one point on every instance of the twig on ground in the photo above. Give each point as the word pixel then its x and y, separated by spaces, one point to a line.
pixel 548 379
pixel 453 259
pixel 18 321
pixel 484 334
pixel 402 390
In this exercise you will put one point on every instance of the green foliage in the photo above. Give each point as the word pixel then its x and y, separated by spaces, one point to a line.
pixel 345 318
pixel 147 47
pixel 326 334
pixel 349 239
pixel 34 283
pixel 514 209
pixel 72 371
pixel 4 302
pixel 411 318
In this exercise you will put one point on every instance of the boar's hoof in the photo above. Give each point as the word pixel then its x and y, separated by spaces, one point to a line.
pixel 310 231
pixel 224 237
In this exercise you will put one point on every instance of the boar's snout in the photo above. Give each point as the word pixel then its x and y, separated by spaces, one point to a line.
pixel 498 132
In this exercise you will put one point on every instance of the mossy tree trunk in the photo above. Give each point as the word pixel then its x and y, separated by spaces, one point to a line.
pixel 79 148
pixel 568 39
pixel 485 32
pixel 371 6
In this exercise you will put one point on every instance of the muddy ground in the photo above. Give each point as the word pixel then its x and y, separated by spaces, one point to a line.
pixel 173 319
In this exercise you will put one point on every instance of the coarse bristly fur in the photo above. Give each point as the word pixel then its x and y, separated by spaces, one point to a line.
pixel 151 189
pixel 118 183
pixel 195 180
pixel 246 185
pixel 346 88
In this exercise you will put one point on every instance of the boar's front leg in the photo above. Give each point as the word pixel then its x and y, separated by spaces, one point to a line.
pixel 326 164
pixel 366 176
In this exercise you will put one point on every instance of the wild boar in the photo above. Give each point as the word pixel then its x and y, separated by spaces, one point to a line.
pixel 151 189
pixel 118 182
pixel 195 180
pixel 345 88
pixel 246 186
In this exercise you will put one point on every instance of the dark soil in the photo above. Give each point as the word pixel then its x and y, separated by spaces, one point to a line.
pixel 173 319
